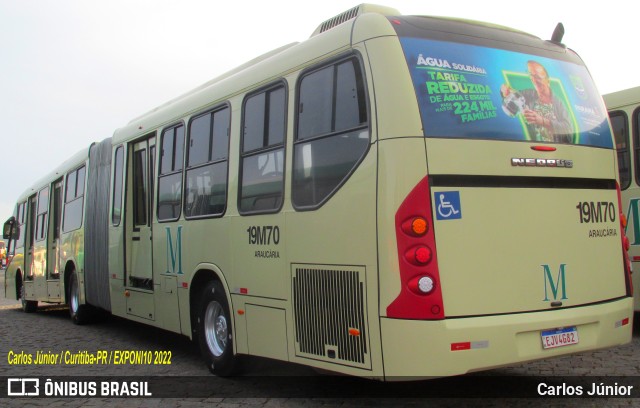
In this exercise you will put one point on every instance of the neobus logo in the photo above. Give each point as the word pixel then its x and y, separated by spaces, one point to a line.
pixel 526 162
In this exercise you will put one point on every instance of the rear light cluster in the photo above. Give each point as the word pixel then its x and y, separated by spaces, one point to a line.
pixel 420 293
pixel 625 244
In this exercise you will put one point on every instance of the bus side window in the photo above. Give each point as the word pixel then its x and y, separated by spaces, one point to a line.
pixel 140 181
pixel 32 221
pixel 208 149
pixel 22 207
pixel 170 174
pixel 620 127
pixel 636 143
pixel 74 200
pixel 262 151
pixel 332 134
pixel 43 207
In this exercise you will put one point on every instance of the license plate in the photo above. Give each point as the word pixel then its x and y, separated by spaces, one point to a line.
pixel 559 337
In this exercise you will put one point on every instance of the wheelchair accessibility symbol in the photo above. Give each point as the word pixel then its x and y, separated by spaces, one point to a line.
pixel 448 205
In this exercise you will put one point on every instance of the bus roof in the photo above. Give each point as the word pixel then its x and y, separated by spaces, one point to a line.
pixel 69 164
pixel 331 37
pixel 622 98
pixel 253 74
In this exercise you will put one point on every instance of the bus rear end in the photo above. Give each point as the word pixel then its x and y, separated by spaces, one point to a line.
pixel 499 210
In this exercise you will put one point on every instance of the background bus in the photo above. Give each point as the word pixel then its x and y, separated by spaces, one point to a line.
pixel 397 196
pixel 624 113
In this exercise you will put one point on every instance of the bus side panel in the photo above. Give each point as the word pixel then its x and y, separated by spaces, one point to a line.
pixel 623 113
pixel 396 110
pixel 116 270
pixel 631 208
pixel 72 256
pixel 329 247
pixel 258 246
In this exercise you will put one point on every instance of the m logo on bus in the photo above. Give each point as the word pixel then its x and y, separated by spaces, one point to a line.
pixel 174 253
pixel 633 222
pixel 554 285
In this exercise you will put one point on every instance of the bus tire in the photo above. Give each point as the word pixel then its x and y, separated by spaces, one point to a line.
pixel 214 330
pixel 28 306
pixel 79 313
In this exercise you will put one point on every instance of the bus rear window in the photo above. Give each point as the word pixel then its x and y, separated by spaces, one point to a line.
pixel 471 91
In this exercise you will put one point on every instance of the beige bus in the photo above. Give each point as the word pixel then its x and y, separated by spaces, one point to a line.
pixel 624 111
pixel 395 197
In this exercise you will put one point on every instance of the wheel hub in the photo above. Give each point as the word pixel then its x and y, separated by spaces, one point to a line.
pixel 216 328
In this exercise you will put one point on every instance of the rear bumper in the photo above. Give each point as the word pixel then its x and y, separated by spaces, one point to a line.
pixel 413 348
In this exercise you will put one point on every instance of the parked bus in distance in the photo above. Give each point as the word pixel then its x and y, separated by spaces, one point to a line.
pixel 395 197
pixel 624 114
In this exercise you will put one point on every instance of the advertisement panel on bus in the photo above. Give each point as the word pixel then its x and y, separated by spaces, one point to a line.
pixel 468 91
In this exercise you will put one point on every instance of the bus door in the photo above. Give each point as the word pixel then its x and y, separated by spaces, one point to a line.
pixel 28 285
pixel 139 278
pixel 53 244
pixel 39 261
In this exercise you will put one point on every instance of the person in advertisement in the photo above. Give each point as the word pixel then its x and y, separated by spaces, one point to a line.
pixel 3 255
pixel 546 116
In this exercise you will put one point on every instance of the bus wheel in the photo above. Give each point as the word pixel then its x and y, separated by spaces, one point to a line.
pixel 79 313
pixel 28 306
pixel 214 330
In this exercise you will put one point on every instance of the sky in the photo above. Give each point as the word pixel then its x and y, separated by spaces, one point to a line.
pixel 73 71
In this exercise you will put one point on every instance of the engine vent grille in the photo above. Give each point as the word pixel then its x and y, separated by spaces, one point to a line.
pixel 353 13
pixel 339 19
pixel 329 311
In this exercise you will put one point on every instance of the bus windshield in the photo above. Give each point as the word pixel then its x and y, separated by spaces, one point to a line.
pixel 471 91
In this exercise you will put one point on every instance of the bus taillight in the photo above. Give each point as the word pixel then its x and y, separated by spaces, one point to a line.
pixel 419 256
pixel 422 285
pixel 417 226
pixel 420 294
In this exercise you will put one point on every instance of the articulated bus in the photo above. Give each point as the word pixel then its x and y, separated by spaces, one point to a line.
pixel 397 196
pixel 624 113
